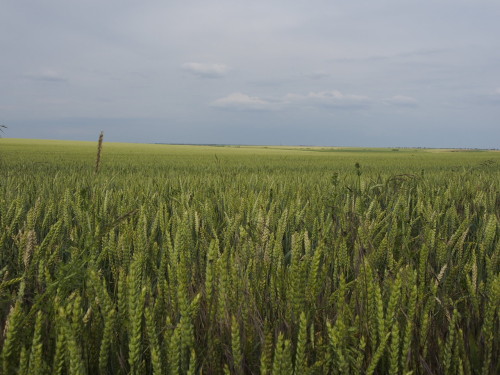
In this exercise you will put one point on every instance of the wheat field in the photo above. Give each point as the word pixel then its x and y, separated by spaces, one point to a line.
pixel 163 259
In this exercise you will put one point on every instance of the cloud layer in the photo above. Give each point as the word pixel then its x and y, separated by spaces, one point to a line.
pixel 204 70
pixel 329 100
pixel 46 75
pixel 401 101
pixel 328 72
pixel 239 101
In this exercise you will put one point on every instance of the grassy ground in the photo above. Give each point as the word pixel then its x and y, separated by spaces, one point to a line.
pixel 133 154
pixel 274 260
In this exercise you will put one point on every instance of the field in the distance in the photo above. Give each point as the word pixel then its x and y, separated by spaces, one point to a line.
pixel 180 259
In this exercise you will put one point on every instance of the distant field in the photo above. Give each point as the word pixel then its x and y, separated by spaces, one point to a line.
pixel 176 259
pixel 116 153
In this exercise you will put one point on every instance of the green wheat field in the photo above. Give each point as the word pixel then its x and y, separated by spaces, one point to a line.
pixel 171 259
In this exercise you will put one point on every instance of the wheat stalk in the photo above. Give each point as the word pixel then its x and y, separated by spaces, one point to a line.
pixel 99 150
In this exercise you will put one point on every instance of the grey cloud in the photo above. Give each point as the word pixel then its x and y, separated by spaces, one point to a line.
pixel 401 101
pixel 390 56
pixel 490 99
pixel 45 76
pixel 74 60
pixel 239 101
pixel 317 75
pixel 330 99
pixel 205 70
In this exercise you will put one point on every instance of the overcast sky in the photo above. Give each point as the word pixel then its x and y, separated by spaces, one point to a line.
pixel 340 73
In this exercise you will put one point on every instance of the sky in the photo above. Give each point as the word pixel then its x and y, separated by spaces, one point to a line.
pixel 380 73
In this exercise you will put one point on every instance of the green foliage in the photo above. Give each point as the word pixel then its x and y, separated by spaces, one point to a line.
pixel 169 261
